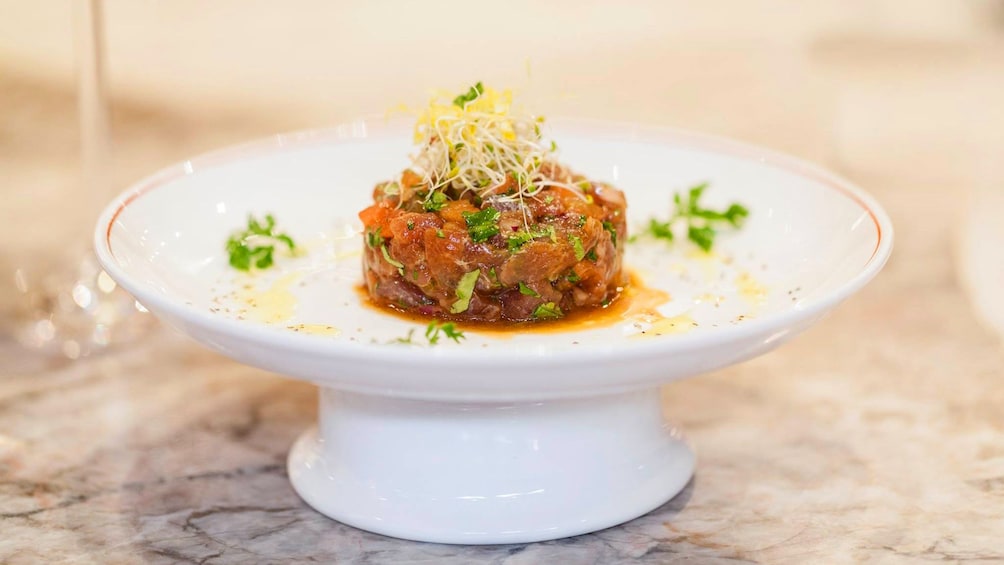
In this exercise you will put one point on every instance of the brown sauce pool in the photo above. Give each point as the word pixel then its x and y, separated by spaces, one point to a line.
pixel 635 300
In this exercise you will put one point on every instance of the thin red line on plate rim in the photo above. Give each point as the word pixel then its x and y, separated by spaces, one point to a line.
pixel 270 145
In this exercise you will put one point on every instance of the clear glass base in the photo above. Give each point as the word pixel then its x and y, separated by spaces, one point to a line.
pixel 77 312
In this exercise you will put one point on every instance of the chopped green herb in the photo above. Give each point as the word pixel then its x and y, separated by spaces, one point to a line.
pixel 736 214
pixel 554 146
pixel 406 339
pixel 482 225
pixel 693 198
pixel 452 333
pixel 433 333
pixel 471 95
pixel 548 199
pixel 433 330
pixel 546 311
pixel 255 246
pixel 609 226
pixel 373 238
pixel 573 277
pixel 701 222
pixel 411 225
pixel 435 201
pixel 465 290
pixel 592 255
pixel 391 260
pixel 704 236
pixel 440 234
pixel 527 291
pixel 517 240
pixel 582 220
pixel 660 230
pixel 577 247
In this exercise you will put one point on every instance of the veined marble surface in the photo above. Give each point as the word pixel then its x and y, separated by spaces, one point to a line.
pixel 877 436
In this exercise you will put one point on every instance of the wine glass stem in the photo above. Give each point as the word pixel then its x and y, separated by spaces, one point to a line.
pixel 92 104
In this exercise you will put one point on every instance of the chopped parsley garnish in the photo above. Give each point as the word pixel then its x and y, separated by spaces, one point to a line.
pixel 433 330
pixel 573 277
pixel 465 290
pixel 406 339
pixel 517 240
pixel 373 238
pixel 471 95
pixel 734 214
pixel 527 291
pixel 435 201
pixel 580 252
pixel 391 260
pixel 701 223
pixel 482 225
pixel 609 226
pixel 660 230
pixel 704 236
pixel 255 246
pixel 592 255
pixel 547 311
pixel 521 238
pixel 440 234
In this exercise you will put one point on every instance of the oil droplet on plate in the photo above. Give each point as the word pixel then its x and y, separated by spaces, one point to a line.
pixel 277 304
pixel 751 289
pixel 710 263
pixel 315 329
pixel 666 326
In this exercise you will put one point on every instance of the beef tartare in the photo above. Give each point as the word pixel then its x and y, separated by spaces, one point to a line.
pixel 486 226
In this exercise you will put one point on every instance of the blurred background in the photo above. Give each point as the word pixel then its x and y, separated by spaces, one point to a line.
pixel 890 93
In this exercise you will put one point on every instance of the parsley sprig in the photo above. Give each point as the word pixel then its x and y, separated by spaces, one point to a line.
pixel 548 311
pixel 433 333
pixel 448 330
pixel 702 224
pixel 255 246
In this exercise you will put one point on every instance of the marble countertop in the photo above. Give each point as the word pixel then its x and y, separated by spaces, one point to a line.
pixel 878 435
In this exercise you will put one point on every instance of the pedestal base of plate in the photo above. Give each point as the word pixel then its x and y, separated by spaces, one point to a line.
pixel 489 473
